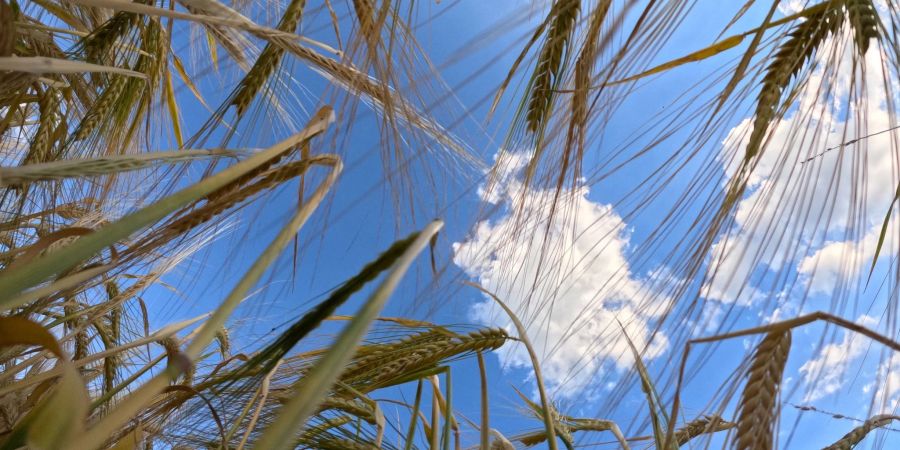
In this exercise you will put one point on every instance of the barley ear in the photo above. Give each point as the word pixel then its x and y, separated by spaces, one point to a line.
pixel 787 62
pixel 856 435
pixel 547 72
pixel 758 414
pixel 864 21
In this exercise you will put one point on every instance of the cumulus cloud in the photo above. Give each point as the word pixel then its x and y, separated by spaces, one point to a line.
pixel 566 275
pixel 825 374
pixel 838 261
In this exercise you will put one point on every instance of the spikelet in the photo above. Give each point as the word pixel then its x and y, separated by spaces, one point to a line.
pixel 74 322
pixel 585 63
pixel 268 60
pixel 111 362
pixel 368 27
pixel 115 315
pixel 74 210
pixel 8 15
pixel 699 426
pixel 102 107
pixel 859 433
pixel 224 341
pixel 97 46
pixel 310 434
pixel 397 364
pixel 353 407
pixel 790 58
pixel 333 443
pixel 110 336
pixel 864 20
pixel 48 106
pixel 228 197
pixel 547 72
pixel 756 420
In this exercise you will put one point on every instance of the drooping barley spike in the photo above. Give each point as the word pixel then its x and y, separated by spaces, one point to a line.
pixel 98 44
pixel 74 210
pixel 547 72
pixel 115 315
pixel 757 416
pixel 864 20
pixel 377 355
pixel 218 204
pixel 368 26
pixel 311 433
pixel 353 407
pixel 111 362
pixel 856 435
pixel 700 426
pixel 8 15
pixel 334 443
pixel 74 322
pixel 396 366
pixel 101 108
pixel 268 60
pixel 788 61
pixel 48 107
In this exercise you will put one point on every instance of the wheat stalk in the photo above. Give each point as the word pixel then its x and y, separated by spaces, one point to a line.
pixel 756 420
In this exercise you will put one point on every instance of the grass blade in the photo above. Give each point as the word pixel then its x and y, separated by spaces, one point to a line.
pixel 313 388
pixel 539 378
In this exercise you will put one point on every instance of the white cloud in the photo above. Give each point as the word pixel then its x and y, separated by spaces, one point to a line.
pixel 570 290
pixel 787 7
pixel 838 261
pixel 886 387
pixel 825 374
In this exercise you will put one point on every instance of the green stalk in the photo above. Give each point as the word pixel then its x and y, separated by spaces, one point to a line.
pixel 414 418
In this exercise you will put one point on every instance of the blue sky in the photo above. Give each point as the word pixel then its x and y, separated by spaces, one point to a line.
pixel 605 264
